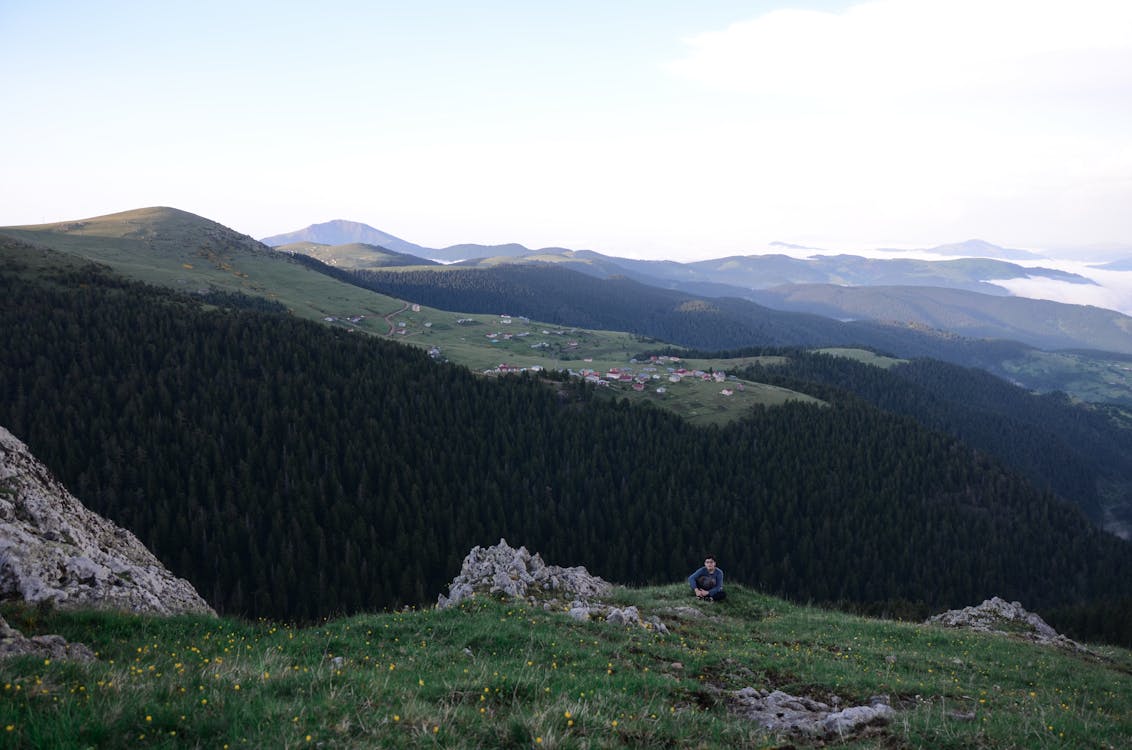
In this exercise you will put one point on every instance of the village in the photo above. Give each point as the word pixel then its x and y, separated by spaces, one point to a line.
pixel 504 345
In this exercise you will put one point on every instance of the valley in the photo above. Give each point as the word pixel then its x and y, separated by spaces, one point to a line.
pixel 282 435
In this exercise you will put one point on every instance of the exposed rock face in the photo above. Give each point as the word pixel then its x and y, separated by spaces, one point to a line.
pixel 516 573
pixel 53 549
pixel 501 569
pixel 782 712
pixel 1004 618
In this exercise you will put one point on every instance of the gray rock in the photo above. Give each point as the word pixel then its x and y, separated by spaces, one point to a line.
pixel 517 574
pixel 14 643
pixel 998 616
pixel 53 549
pixel 627 616
pixel 781 712
pixel 851 719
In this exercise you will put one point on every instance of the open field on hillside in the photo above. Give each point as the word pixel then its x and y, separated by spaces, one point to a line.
pixel 176 250
pixel 204 266
pixel 480 342
pixel 504 674
pixel 497 345
pixel 863 356
pixel 1096 377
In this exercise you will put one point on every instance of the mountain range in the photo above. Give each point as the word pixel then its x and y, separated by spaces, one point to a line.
pixel 958 295
pixel 284 434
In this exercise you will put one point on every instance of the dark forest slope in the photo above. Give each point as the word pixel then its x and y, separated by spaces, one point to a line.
pixel 1079 451
pixel 293 471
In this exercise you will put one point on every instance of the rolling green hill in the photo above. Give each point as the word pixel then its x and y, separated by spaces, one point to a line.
pixel 354 255
pixel 560 296
pixel 188 253
pixel 191 254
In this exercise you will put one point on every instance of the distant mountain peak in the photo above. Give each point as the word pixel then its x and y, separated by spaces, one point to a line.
pixel 342 232
pixel 983 249
pixel 792 246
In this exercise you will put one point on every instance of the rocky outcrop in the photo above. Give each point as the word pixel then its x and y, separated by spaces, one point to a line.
pixel 14 643
pixel 782 712
pixel 55 550
pixel 502 570
pixel 516 573
pixel 1001 617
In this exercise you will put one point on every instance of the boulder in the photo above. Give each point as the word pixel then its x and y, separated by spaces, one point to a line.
pixel 502 570
pixel 55 550
pixel 516 573
pixel 1001 617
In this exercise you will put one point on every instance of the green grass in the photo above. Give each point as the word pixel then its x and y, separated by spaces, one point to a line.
pixel 502 674
pixel 176 250
pixel 1096 377
pixel 864 356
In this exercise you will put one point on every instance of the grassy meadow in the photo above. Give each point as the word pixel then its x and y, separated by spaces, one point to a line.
pixel 507 675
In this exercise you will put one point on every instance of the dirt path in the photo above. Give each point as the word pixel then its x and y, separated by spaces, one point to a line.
pixel 390 316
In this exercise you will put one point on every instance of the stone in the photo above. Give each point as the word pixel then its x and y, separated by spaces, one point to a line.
pixel 502 570
pixel 53 549
pixel 14 643
pixel 778 711
pixel 1000 617
pixel 516 573
pixel 627 616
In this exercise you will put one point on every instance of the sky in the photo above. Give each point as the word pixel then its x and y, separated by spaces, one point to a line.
pixel 671 129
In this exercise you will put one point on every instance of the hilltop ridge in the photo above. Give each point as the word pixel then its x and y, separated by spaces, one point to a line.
pixel 495 671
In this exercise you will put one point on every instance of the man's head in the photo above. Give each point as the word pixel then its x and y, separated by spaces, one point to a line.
pixel 709 563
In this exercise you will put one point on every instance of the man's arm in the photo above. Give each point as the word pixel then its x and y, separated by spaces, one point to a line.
pixel 718 583
pixel 692 578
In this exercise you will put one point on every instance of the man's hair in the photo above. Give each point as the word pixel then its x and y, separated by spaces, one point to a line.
pixel 710 557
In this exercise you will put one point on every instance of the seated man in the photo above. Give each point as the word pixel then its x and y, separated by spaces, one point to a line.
pixel 707 582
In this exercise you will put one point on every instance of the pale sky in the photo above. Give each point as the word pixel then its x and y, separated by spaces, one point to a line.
pixel 682 129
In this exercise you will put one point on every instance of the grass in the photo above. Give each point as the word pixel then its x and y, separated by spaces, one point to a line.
pixel 863 356
pixel 177 250
pixel 1095 376
pixel 481 342
pixel 503 674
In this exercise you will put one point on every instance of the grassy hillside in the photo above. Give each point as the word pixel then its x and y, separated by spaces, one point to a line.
pixel 566 298
pixel 505 675
pixel 178 250
pixel 355 255
pixel 485 342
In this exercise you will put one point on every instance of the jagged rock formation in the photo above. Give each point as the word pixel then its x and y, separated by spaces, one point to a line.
pixel 515 573
pixel 53 549
pixel 782 712
pixel 998 616
pixel 14 643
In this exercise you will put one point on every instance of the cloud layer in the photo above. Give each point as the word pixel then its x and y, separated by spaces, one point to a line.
pixel 988 115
